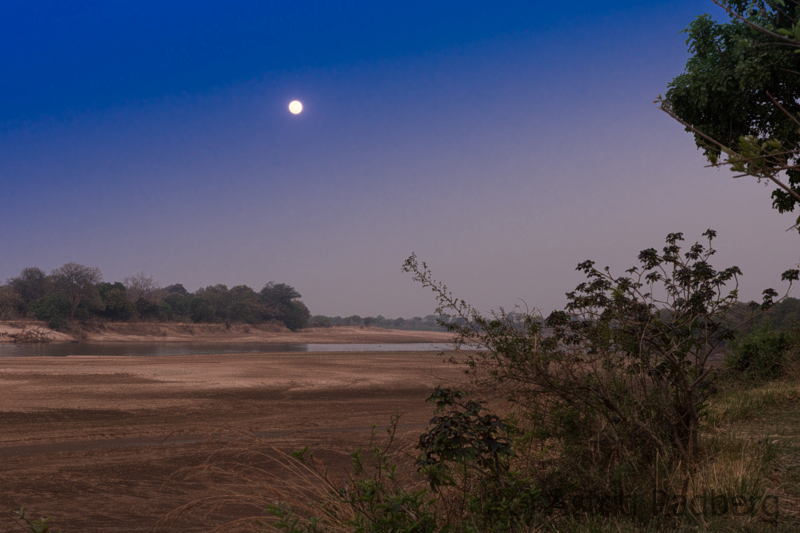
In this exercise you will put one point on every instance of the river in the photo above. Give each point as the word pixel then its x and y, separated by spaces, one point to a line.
pixel 200 348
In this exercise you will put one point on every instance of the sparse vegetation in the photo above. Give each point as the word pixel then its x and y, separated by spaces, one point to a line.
pixel 594 408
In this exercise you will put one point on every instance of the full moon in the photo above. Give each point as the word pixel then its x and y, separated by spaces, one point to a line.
pixel 295 107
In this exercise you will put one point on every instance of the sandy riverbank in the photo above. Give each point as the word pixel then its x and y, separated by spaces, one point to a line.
pixel 96 442
pixel 165 332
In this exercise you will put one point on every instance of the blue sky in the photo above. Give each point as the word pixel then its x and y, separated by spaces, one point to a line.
pixel 502 144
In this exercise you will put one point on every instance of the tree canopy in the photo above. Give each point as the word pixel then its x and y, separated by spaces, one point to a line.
pixel 739 93
pixel 36 294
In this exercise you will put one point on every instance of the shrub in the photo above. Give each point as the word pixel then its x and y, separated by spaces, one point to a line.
pixel 620 377
pixel 54 309
pixel 468 446
pixel 760 355
pixel 465 457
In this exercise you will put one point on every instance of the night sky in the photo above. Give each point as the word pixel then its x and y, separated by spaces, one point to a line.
pixel 503 142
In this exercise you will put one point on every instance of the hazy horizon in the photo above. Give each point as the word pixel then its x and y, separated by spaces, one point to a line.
pixel 502 147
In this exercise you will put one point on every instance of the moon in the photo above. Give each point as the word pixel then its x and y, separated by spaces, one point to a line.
pixel 295 107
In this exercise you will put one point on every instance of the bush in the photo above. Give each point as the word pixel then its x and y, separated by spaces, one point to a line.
pixel 760 355
pixel 466 457
pixel 55 310
pixel 621 377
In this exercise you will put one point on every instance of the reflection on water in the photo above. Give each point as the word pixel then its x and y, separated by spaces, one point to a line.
pixel 154 348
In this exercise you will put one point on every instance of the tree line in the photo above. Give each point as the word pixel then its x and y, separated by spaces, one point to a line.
pixel 74 292
pixel 427 323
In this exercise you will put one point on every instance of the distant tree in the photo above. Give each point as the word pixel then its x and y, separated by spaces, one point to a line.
pixel 175 305
pixel 320 321
pixel 78 283
pixel 115 303
pixel 176 288
pixel 247 310
pixel 278 294
pixel 217 296
pixel 141 286
pixel 277 300
pixel 239 293
pixel 243 305
pixel 368 321
pixel 398 322
pixel 54 309
pixel 11 303
pixel 297 317
pixel 148 309
pixel 201 310
pixel 31 285
pixel 352 320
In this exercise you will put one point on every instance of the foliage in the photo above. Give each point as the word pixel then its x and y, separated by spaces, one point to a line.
pixel 465 456
pixel 217 298
pixel 467 444
pixel 276 299
pixel 247 311
pixel 625 365
pixel 372 500
pixel 140 296
pixel 176 288
pixel 115 303
pixel 200 310
pixel 31 285
pixel 278 294
pixel 465 436
pixel 141 286
pixel 11 303
pixel 320 321
pixel 296 316
pixel 54 309
pixel 78 283
pixel 739 93
pixel 147 309
pixel 34 526
pixel 175 305
pixel 427 323
pixel 760 355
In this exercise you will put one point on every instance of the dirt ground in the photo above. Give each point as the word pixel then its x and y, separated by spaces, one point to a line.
pixel 97 442
pixel 168 332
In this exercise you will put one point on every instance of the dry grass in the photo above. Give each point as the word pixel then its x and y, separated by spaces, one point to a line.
pixel 750 448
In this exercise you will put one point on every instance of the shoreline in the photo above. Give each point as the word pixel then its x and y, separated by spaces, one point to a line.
pixel 149 332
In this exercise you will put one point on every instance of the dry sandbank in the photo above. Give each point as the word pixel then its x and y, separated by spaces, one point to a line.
pixel 266 333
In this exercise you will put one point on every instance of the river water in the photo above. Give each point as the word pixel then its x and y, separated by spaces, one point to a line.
pixel 199 348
